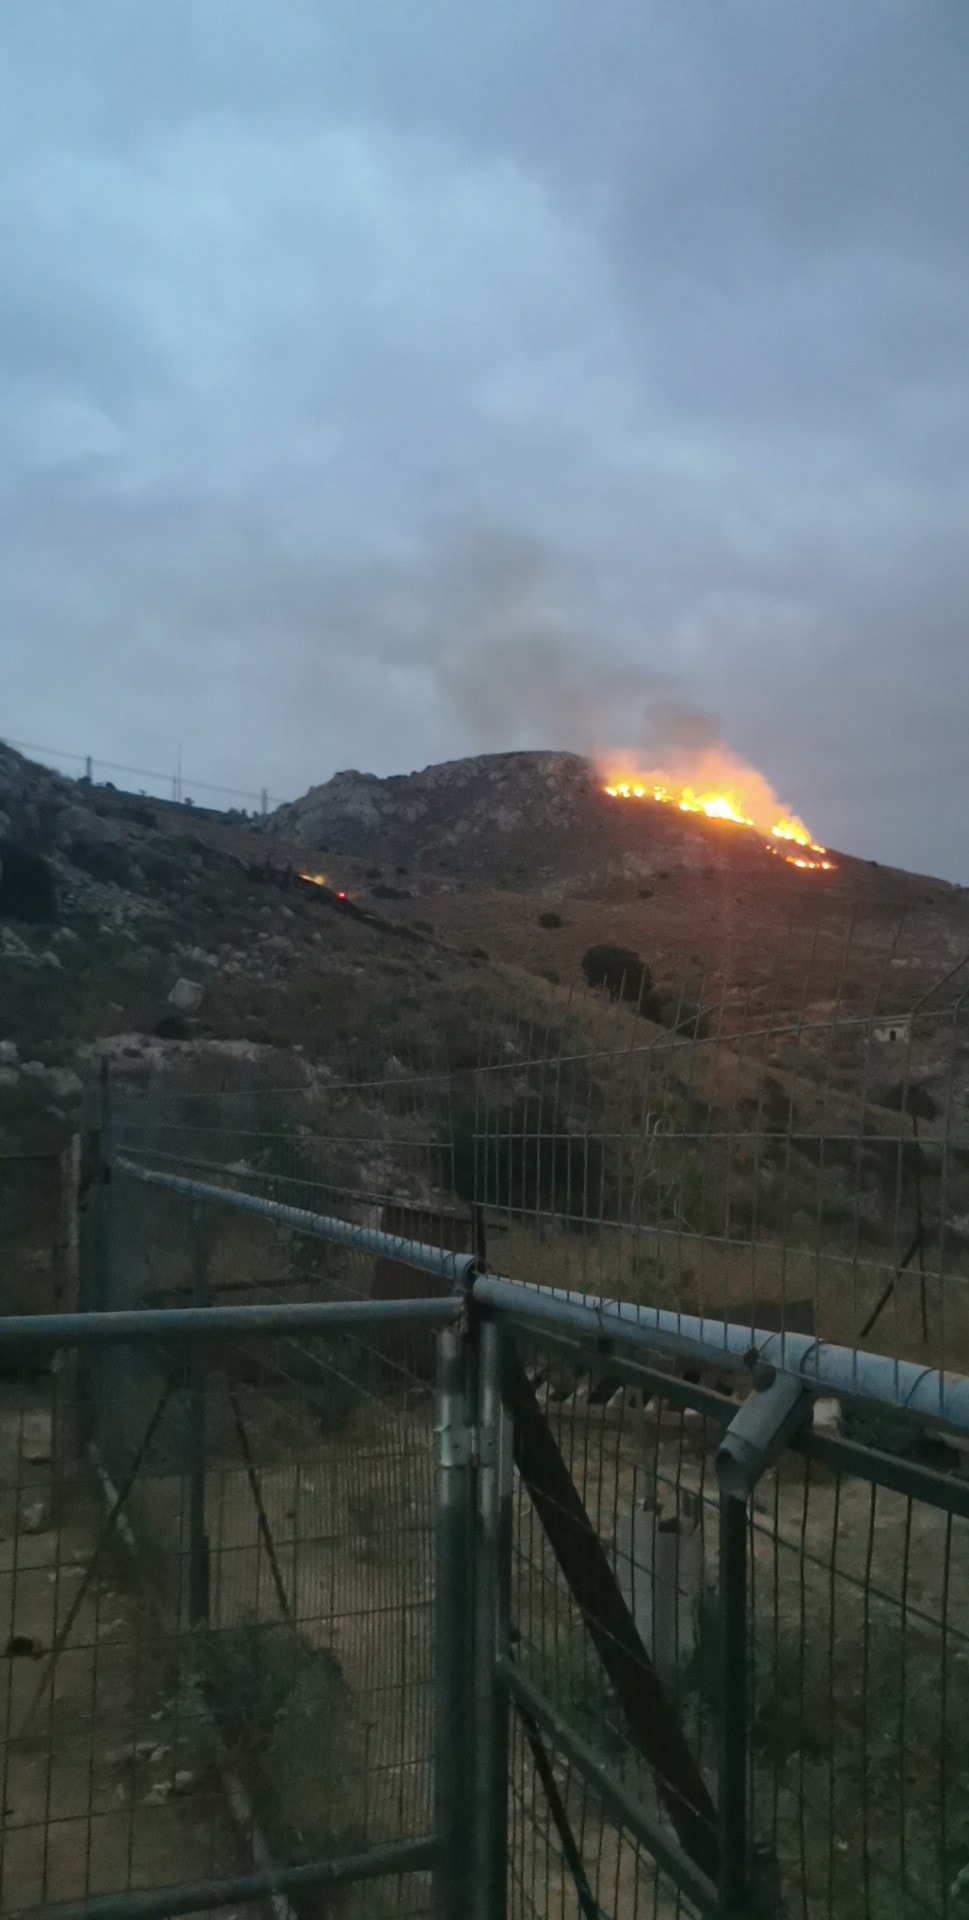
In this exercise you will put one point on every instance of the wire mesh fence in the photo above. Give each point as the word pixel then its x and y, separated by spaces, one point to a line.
pixel 209 1672
pixel 217 1611
pixel 847 1633
pixel 685 1693
pixel 38 1220
pixel 790 1150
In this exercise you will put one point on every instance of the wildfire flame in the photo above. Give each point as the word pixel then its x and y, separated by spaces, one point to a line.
pixel 722 788
pixel 320 880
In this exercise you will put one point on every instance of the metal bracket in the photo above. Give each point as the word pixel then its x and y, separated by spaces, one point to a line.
pixel 454 1444
pixel 779 1406
pixel 458 1445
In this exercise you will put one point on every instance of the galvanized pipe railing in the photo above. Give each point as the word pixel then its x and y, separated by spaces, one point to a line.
pixel 926 1392
pixel 842 1371
pixel 210 1896
pixel 44 1332
pixel 455 1268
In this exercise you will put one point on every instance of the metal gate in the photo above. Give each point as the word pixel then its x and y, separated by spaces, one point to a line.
pixel 599 1621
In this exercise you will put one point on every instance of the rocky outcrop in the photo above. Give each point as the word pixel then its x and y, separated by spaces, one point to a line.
pixel 459 801
pixel 504 819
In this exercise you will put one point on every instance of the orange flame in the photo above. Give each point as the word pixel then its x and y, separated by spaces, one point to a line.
pixel 722 788
pixel 814 866
pixel 320 880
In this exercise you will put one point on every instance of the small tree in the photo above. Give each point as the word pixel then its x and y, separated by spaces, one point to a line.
pixel 621 971
pixel 28 890
pixel 684 1018
pixel 550 919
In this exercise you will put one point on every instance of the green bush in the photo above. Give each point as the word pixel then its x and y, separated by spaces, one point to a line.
pixel 522 1157
pixel 684 1018
pixel 287 1717
pixel 623 975
pixel 28 890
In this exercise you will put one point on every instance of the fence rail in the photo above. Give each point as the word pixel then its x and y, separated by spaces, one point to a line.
pixel 922 1390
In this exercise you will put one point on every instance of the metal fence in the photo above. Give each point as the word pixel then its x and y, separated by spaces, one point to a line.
pixel 504 1599
pixel 792 1151
pixel 38 1222
pixel 218 1638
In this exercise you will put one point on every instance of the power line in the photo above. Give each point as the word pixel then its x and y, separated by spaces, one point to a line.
pixel 144 773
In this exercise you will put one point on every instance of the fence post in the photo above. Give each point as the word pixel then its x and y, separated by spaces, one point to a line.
pixel 198 1539
pixel 93 1242
pixel 66 1411
pixel 93 1183
pixel 779 1407
pixel 453 1626
pixel 492 1599
pixel 732 1652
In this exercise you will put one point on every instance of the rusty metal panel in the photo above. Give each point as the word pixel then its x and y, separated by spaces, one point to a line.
pixel 436 1227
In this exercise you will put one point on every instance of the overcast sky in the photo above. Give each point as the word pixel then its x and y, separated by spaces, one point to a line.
pixel 371 369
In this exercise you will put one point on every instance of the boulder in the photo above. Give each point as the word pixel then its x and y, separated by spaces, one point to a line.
pixel 82 827
pixel 12 947
pixel 64 1085
pixel 186 996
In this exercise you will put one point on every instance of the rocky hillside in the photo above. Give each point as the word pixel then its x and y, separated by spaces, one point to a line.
pixel 451 923
pixel 542 820
pixel 486 847
pixel 136 932
pixel 504 819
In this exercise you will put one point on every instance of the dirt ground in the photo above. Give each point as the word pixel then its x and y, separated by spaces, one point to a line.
pixel 114 1774
pixel 97 1796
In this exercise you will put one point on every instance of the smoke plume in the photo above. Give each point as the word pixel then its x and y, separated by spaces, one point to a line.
pixel 491 624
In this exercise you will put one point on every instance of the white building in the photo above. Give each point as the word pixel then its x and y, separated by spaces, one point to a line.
pixel 896 1032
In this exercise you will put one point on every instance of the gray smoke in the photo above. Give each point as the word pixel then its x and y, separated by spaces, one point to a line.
pixel 491 623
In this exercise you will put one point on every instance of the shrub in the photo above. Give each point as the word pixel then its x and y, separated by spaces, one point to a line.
pixel 907 1098
pixel 287 1714
pixel 102 860
pixel 27 887
pixel 161 869
pixel 550 920
pixel 623 974
pixel 521 1157
pixel 684 1018
pixel 173 1026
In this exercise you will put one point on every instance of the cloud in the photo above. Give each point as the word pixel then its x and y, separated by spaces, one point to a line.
pixel 366 372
